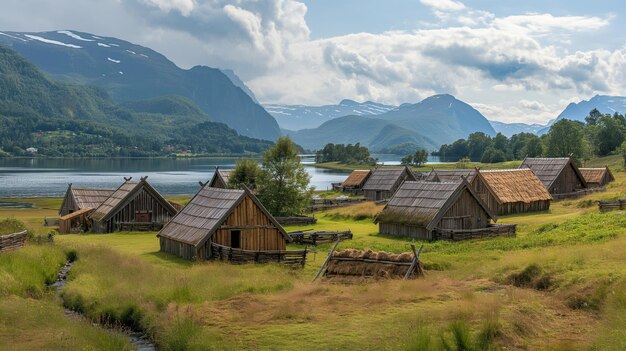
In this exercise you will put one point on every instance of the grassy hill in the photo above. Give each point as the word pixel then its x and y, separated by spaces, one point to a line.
pixel 560 284
pixel 130 72
pixel 63 119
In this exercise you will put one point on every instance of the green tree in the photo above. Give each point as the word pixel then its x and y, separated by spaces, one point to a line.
pixel 608 136
pixel 493 155
pixel 533 147
pixel 415 159
pixel 246 172
pixel 566 137
pixel 283 184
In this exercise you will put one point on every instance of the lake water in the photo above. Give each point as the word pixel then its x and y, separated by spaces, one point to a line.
pixel 50 177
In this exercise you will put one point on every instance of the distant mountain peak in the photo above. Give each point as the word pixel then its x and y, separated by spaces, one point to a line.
pixel 348 102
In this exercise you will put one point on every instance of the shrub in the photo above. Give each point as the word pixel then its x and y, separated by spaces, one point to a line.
pixel 531 277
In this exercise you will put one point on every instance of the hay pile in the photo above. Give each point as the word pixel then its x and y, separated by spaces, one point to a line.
pixel 359 267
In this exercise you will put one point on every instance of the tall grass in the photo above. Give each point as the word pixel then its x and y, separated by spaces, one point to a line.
pixel 25 272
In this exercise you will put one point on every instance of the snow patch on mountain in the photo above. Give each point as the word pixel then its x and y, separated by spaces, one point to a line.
pixel 112 60
pixel 73 35
pixel 14 37
pixel 54 42
pixel 104 45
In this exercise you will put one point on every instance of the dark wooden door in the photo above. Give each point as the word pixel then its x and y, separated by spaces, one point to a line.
pixel 235 239
pixel 143 217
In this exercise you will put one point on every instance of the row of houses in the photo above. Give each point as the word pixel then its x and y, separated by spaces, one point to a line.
pixel 214 216
pixel 466 202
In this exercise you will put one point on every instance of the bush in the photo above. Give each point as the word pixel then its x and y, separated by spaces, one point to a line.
pixel 531 277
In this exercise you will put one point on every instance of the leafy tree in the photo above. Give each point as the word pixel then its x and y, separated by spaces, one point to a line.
pixel 493 155
pixel 564 138
pixel 608 134
pixel 416 159
pixel 533 147
pixel 477 143
pixel 283 184
pixel 246 172
pixel 349 154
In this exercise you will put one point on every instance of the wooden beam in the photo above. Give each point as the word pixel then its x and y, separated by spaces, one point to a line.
pixel 416 256
pixel 330 254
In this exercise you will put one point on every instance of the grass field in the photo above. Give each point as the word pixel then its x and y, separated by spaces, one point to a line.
pixel 560 284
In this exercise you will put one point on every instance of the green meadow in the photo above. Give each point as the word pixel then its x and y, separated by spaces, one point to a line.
pixel 560 284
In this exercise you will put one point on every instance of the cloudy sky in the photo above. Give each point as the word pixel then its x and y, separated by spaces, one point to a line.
pixel 515 61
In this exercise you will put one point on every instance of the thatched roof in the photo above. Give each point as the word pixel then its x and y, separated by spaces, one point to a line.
pixel 451 175
pixel 206 212
pixel 87 198
pixel 424 203
pixel 514 185
pixel 219 175
pixel 549 169
pixel 383 179
pixel 128 189
pixel 356 178
pixel 595 175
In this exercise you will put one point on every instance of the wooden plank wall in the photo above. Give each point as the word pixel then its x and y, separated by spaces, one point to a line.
pixel 69 205
pixel 410 231
pixel 257 231
pixel 467 208
pixel 567 182
pixel 142 201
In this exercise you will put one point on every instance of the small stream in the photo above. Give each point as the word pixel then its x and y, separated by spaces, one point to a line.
pixel 138 339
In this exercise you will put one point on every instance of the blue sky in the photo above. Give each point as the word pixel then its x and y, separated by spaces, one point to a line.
pixel 515 61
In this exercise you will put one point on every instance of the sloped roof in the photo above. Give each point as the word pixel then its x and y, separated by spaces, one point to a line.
pixel 357 177
pixel 549 169
pixel 86 197
pixel 595 175
pixel 451 175
pixel 514 185
pixel 221 174
pixel 126 190
pixel 424 203
pixel 206 212
pixel 384 179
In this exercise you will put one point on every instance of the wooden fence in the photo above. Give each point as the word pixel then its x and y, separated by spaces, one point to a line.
pixel 349 264
pixel 12 241
pixel 296 220
pixel 490 231
pixel 612 205
pixel 289 257
pixel 309 237
pixel 325 204
pixel 140 226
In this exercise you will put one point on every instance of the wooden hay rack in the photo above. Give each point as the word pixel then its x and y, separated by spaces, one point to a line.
pixel 352 264
pixel 12 241
pixel 309 237
pixel 288 257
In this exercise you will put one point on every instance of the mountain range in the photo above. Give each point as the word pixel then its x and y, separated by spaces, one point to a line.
pixel 130 72
pixel 296 117
pixel 436 120
pixel 39 115
pixel 578 111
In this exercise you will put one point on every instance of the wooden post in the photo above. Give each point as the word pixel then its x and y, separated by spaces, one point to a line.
pixel 415 261
pixel 330 254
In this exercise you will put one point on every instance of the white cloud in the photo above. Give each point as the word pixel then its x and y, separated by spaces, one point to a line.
pixel 185 7
pixel 545 23
pixel 444 5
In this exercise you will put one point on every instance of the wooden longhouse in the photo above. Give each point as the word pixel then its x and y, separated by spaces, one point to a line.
pixel 80 198
pixel 432 211
pixel 597 177
pixel 511 191
pixel 222 217
pixel 355 181
pixel 450 175
pixel 383 182
pixel 220 179
pixel 559 175
pixel 77 204
pixel 135 204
